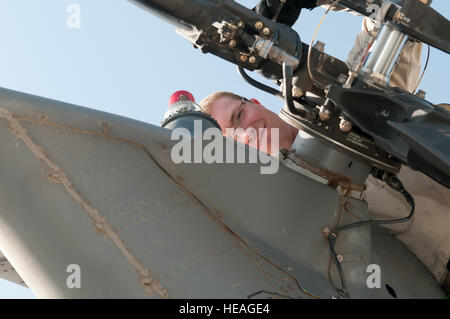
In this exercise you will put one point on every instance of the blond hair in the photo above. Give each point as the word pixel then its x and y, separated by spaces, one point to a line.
pixel 208 101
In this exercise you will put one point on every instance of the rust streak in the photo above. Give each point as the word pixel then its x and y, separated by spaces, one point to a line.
pixel 151 284
pixel 334 179
pixel 178 180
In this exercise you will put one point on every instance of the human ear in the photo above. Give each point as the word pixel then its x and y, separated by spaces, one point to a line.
pixel 253 100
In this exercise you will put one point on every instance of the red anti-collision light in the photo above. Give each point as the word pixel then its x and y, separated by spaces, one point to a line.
pixel 180 95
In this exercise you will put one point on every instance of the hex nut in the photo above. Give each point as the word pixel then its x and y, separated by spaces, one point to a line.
pixel 345 126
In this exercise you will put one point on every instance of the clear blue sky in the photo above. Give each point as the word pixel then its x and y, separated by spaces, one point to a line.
pixel 126 61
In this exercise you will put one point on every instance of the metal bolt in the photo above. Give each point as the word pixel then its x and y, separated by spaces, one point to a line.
pixel 342 78
pixel 266 31
pixel 232 43
pixel 320 46
pixel 421 94
pixel 243 57
pixel 325 110
pixel 252 59
pixel 324 113
pixel 340 258
pixel 297 92
pixel 326 231
pixel 345 126
pixel 259 25
pixel 400 17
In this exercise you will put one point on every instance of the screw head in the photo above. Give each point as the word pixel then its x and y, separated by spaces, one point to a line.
pixel 326 231
pixel 324 115
pixel 296 92
pixel 232 43
pixel 252 59
pixel 266 31
pixel 345 126
pixel 259 25
pixel 243 57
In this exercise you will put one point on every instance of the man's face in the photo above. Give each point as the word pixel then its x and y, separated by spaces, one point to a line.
pixel 228 111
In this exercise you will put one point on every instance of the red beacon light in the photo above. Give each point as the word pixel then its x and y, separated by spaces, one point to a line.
pixel 181 96
pixel 183 112
pixel 181 102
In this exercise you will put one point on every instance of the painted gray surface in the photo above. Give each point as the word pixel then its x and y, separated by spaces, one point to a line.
pixel 396 267
pixel 211 231
pixel 323 156
pixel 427 235
pixel 8 272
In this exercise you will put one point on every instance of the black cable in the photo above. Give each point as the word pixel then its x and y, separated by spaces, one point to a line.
pixel 302 100
pixel 392 181
pixel 287 79
pixel 343 290
pixel 289 99
pixel 269 293
pixel 257 84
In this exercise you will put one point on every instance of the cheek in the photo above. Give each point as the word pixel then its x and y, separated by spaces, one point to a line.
pixel 254 116
pixel 271 119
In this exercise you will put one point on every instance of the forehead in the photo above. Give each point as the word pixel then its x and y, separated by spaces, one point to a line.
pixel 223 109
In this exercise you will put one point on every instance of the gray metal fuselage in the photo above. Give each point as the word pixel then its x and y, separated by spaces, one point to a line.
pixel 83 187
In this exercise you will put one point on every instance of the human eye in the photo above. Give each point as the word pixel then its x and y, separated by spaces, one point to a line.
pixel 239 116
